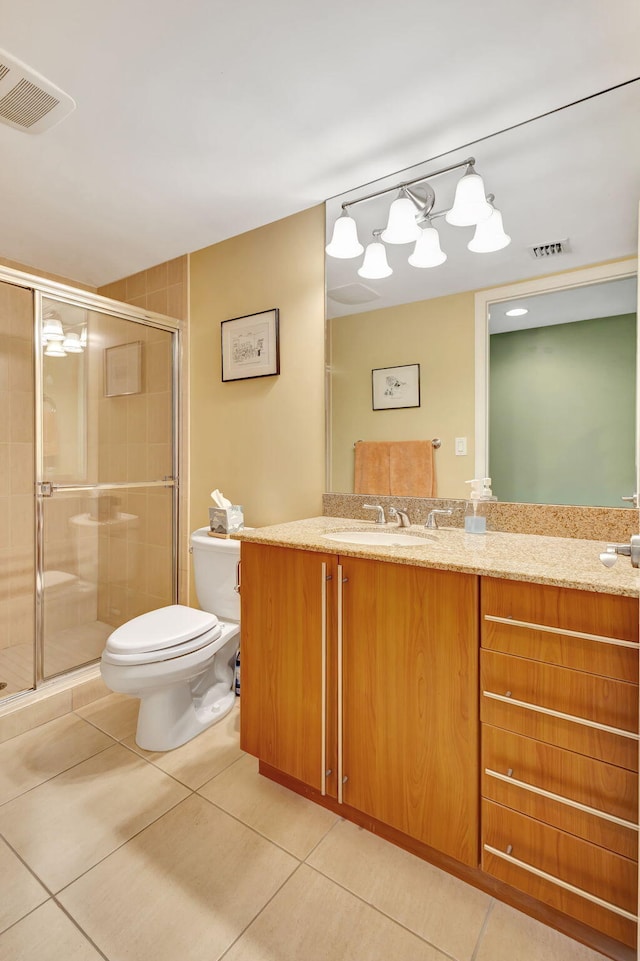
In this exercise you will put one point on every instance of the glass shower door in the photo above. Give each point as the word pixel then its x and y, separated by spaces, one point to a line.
pixel 107 494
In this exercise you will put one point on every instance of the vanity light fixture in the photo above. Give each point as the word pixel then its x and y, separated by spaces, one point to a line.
pixel 52 330
pixel 427 251
pixel 489 235
pixel 375 265
pixel 410 220
pixel 401 227
pixel 344 242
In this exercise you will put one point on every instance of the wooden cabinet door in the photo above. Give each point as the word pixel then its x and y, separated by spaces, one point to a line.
pixel 282 618
pixel 410 701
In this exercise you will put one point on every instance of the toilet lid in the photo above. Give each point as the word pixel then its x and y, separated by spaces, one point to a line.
pixel 166 627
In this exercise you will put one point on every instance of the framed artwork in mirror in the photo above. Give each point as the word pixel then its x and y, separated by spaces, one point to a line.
pixel 250 346
pixel 123 369
pixel 396 387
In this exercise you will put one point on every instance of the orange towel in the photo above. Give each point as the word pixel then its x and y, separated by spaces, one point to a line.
pixel 403 468
pixel 372 460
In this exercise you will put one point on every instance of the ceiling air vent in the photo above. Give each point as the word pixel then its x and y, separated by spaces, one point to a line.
pixel 28 101
pixel 542 251
pixel 353 294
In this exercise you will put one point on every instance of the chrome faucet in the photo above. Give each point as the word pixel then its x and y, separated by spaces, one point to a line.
pixel 380 519
pixel 402 516
pixel 432 522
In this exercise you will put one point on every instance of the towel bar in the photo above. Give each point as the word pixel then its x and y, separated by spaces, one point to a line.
pixel 435 443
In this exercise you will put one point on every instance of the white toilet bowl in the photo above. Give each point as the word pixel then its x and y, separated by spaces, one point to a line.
pixel 180 662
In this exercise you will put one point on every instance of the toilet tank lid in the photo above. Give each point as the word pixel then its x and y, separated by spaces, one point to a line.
pixel 158 629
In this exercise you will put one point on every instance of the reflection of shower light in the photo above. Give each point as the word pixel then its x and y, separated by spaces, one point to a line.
pixel 52 330
pixel 83 337
pixel 55 349
pixel 72 343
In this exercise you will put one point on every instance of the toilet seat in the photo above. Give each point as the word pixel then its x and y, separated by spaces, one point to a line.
pixel 161 635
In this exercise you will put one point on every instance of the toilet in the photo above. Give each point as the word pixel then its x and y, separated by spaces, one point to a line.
pixel 180 661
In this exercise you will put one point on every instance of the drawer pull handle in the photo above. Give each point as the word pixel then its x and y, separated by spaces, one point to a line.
pixel 558 630
pixel 564 717
pixel 509 848
pixel 560 883
pixel 508 777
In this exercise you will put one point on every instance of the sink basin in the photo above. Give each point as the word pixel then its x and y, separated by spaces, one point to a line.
pixel 380 538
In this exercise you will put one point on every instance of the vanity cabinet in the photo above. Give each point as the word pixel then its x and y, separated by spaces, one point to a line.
pixel 559 711
pixel 359 679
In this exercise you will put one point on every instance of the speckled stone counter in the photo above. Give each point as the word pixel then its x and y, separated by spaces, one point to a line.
pixel 560 561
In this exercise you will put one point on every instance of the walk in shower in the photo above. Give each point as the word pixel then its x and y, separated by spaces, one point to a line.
pixel 88 474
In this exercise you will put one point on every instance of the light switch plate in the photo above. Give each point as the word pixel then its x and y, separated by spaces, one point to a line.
pixel 461 446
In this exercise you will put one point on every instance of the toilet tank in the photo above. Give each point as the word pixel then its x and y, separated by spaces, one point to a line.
pixel 215 563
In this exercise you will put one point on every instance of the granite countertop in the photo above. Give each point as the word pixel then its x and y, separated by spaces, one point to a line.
pixel 560 561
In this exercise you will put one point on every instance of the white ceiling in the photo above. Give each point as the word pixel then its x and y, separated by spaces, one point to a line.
pixel 198 121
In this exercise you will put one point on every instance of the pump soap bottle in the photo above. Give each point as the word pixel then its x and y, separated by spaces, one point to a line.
pixel 475 515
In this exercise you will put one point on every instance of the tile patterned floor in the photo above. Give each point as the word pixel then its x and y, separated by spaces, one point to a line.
pixel 114 853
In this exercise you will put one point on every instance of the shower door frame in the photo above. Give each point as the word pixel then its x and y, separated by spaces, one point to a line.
pixel 53 290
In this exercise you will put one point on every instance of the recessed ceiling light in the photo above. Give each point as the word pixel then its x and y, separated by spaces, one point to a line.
pixel 516 312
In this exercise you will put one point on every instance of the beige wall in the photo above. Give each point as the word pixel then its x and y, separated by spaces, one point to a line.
pixel 437 334
pixel 260 441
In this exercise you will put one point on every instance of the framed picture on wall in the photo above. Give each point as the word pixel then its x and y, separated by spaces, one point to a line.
pixel 123 369
pixel 396 387
pixel 250 346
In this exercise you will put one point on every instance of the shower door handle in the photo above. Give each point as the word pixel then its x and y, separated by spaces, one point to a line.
pixel 46 489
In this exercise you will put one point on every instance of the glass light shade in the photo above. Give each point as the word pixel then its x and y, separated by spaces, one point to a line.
pixel 344 242
pixel 72 343
pixel 52 330
pixel 470 205
pixel 401 226
pixel 374 265
pixel 489 235
pixel 427 251
pixel 55 349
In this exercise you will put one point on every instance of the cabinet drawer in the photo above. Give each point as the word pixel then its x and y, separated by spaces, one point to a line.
pixel 578 878
pixel 591 715
pixel 594 633
pixel 577 794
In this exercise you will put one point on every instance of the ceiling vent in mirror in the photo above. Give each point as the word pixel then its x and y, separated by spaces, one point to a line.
pixel 28 101
pixel 353 294
pixel 540 251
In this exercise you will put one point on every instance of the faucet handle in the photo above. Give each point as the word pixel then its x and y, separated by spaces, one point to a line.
pixel 380 519
pixel 632 550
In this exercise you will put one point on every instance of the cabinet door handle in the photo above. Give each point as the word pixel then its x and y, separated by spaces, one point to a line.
pixel 323 643
pixel 585 721
pixel 238 582
pixel 507 856
pixel 509 779
pixel 341 581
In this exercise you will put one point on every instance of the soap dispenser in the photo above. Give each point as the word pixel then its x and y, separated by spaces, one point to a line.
pixel 475 515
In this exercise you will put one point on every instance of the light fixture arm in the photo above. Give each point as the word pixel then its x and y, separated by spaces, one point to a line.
pixel 409 183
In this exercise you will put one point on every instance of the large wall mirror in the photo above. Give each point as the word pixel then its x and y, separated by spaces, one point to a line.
pixel 543 401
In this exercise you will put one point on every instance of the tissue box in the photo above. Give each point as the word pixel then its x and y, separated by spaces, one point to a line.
pixel 226 520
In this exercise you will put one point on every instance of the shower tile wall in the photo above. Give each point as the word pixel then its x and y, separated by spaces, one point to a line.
pixel 164 288
pixel 17 555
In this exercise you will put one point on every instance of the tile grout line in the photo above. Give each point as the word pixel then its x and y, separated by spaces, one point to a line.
pixel 369 904
pixel 79 928
pixel 120 846
pixel 483 929
pixel 258 913
pixel 64 770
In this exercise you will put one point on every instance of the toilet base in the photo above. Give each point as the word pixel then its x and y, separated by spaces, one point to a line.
pixel 172 716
